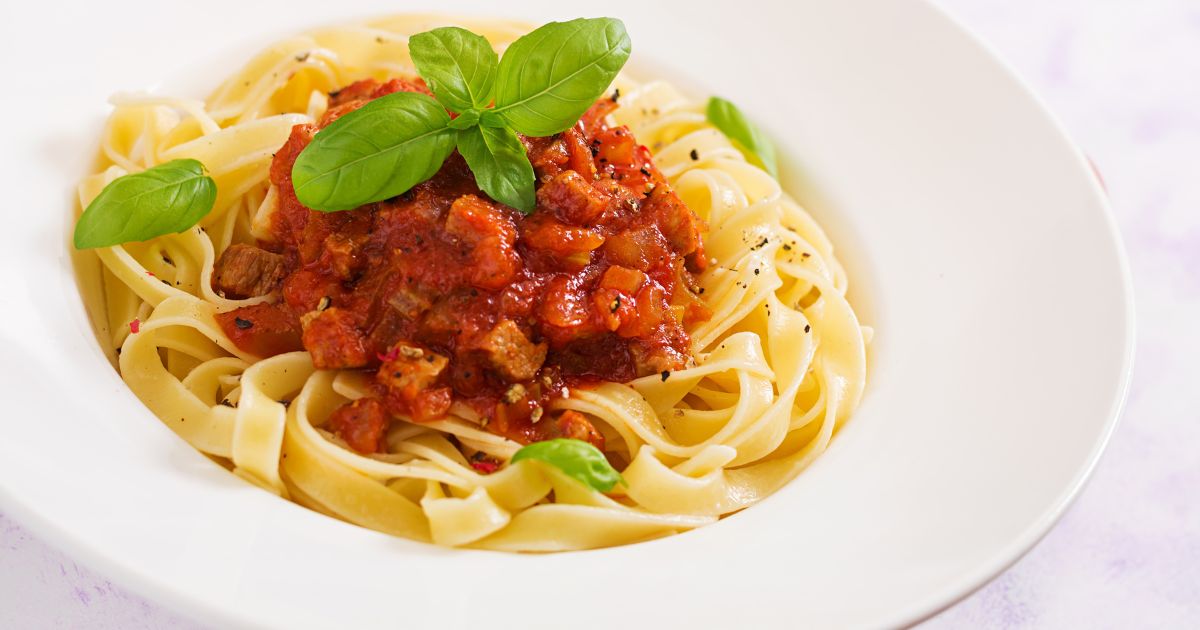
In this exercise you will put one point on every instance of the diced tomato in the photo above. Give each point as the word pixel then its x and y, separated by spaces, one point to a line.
pixel 263 330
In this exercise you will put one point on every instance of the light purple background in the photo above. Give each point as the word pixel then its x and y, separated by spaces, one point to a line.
pixel 1124 76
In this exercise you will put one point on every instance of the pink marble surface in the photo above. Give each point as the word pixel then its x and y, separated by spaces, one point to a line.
pixel 1124 77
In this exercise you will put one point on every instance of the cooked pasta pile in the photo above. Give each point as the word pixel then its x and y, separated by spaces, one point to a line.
pixel 778 366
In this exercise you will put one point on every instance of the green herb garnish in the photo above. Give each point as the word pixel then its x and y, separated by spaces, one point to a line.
pixel 165 199
pixel 546 80
pixel 376 152
pixel 749 139
pixel 551 76
pixel 501 167
pixel 578 459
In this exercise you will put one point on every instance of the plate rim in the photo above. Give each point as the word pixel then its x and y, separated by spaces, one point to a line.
pixel 120 570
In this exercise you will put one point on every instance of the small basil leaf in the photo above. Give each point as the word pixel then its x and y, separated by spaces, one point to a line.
pixel 458 65
pixel 489 118
pixel 465 120
pixel 373 153
pixel 750 139
pixel 500 164
pixel 578 459
pixel 551 76
pixel 168 198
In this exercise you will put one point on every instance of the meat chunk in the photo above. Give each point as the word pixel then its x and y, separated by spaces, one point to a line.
pixel 637 248
pixel 245 271
pixel 361 424
pixel 656 359
pixel 675 220
pixel 510 353
pixel 573 199
pixel 334 340
pixel 409 370
pixel 491 233
pixel 409 303
pixel 570 246
pixel 575 426
pixel 410 375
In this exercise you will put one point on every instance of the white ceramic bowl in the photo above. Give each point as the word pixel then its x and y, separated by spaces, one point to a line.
pixel 978 244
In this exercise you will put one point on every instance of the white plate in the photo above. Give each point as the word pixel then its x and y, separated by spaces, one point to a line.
pixel 976 238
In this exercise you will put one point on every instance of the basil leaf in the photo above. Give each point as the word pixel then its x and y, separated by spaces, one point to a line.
pixel 373 153
pixel 501 167
pixel 551 76
pixel 168 198
pixel 578 459
pixel 465 120
pixel 458 65
pixel 489 118
pixel 750 139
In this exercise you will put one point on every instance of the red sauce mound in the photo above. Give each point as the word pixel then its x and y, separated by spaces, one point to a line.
pixel 448 296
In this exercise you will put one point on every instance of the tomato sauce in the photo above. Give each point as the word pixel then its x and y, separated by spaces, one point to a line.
pixel 447 296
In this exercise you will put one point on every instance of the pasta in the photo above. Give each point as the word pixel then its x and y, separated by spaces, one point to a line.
pixel 778 366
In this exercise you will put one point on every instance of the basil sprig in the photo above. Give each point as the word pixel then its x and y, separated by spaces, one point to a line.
pixel 546 80
pixel 164 199
pixel 749 139
pixel 578 459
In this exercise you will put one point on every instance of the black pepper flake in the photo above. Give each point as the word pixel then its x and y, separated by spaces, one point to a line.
pixel 787 248
pixel 805 255
pixel 645 171
pixel 225 402
pixel 616 95
pixel 666 374
pixel 807 328
pixel 700 292
pixel 595 151
pixel 756 271
pixel 616 304
pixel 242 324
pixel 695 154
pixel 166 258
